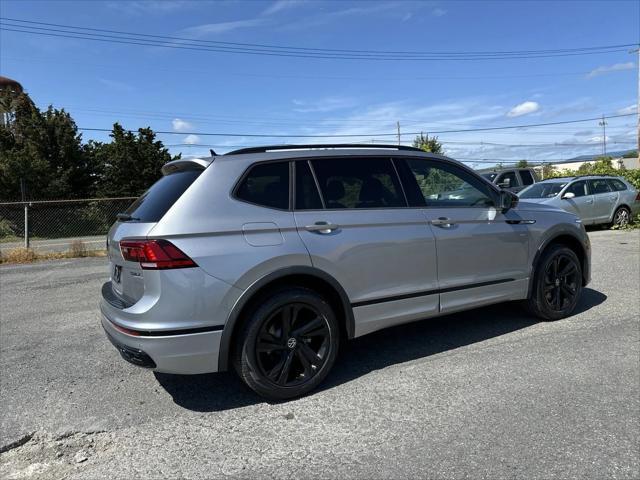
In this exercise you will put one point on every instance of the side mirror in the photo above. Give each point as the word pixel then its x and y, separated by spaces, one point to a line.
pixel 507 200
pixel 568 195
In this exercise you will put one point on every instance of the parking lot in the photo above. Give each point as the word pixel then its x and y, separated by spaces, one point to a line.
pixel 489 393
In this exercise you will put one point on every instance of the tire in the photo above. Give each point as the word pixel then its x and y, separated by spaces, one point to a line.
pixel 621 217
pixel 557 284
pixel 280 358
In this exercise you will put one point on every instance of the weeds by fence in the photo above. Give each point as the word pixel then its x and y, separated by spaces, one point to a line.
pixel 59 225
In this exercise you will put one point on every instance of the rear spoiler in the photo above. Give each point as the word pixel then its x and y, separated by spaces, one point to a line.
pixel 186 164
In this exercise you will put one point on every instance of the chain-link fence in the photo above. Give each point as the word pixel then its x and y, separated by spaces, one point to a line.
pixel 59 225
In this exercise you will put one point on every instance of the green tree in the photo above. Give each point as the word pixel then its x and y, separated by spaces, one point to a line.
pixel 522 164
pixel 427 144
pixel 631 154
pixel 129 164
pixel 44 149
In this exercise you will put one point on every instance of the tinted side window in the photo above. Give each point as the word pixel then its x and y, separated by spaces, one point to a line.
pixel 527 178
pixel 267 185
pixel 155 202
pixel 358 183
pixel 599 186
pixel 444 185
pixel 617 185
pixel 307 196
pixel 579 189
pixel 509 177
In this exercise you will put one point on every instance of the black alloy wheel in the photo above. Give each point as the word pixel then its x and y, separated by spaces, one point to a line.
pixel 292 344
pixel 288 343
pixel 561 280
pixel 557 284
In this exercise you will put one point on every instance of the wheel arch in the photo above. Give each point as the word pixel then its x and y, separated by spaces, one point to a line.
pixel 309 277
pixel 572 242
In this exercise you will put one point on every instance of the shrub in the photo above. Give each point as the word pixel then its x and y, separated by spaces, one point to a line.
pixel 19 255
pixel 78 249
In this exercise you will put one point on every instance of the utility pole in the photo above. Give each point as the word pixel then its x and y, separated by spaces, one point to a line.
pixel 603 124
pixel 398 125
pixel 637 50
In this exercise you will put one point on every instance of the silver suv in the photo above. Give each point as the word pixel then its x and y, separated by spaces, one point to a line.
pixel 265 259
pixel 597 199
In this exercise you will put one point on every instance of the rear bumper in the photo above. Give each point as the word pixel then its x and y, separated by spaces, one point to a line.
pixel 188 354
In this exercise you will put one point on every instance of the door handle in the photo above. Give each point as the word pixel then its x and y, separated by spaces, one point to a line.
pixel 442 222
pixel 321 227
pixel 589 201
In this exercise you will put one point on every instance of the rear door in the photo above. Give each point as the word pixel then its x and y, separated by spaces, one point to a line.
pixel 604 199
pixel 483 254
pixel 361 231
pixel 127 278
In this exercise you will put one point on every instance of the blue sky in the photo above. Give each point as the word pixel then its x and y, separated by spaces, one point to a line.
pixel 201 91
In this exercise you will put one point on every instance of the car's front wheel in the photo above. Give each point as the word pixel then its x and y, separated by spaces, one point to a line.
pixel 557 284
pixel 288 344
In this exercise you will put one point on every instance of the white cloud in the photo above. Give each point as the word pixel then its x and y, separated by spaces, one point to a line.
pixel 280 5
pixel 583 133
pixel 206 29
pixel 627 110
pixel 191 139
pixel 604 69
pixel 524 108
pixel 137 7
pixel 438 12
pixel 180 125
pixel 327 104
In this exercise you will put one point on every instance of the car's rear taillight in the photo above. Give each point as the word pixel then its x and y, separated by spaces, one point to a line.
pixel 155 254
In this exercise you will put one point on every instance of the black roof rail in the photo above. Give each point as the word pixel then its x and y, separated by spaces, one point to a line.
pixel 268 148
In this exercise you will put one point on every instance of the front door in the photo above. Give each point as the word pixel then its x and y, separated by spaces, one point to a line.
pixel 361 232
pixel 582 202
pixel 604 199
pixel 483 254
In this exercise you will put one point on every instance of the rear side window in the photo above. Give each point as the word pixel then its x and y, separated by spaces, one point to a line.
pixel 266 185
pixel 527 178
pixel 599 186
pixel 307 196
pixel 358 183
pixel 155 202
pixel 617 185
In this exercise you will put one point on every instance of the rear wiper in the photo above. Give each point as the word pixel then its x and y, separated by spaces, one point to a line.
pixel 125 217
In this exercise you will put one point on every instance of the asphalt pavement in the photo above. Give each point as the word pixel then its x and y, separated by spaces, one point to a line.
pixel 489 393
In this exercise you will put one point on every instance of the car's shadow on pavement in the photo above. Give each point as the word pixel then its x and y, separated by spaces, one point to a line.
pixel 222 391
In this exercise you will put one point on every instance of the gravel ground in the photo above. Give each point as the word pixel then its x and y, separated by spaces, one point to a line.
pixel 489 393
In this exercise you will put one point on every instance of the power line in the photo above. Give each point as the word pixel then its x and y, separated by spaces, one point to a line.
pixel 130 38
pixel 352 135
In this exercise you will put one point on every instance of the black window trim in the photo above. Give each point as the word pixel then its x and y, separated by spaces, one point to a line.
pixel 352 157
pixel 612 184
pixel 605 180
pixel 492 191
pixel 245 174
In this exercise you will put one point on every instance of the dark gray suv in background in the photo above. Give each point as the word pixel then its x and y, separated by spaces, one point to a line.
pixel 265 259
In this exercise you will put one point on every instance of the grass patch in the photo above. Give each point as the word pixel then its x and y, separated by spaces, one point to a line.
pixel 28 255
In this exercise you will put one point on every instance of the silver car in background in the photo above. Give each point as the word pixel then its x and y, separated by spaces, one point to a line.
pixel 596 199
pixel 264 259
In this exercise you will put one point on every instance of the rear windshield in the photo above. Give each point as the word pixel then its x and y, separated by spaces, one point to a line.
pixel 542 190
pixel 156 201
pixel 489 176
